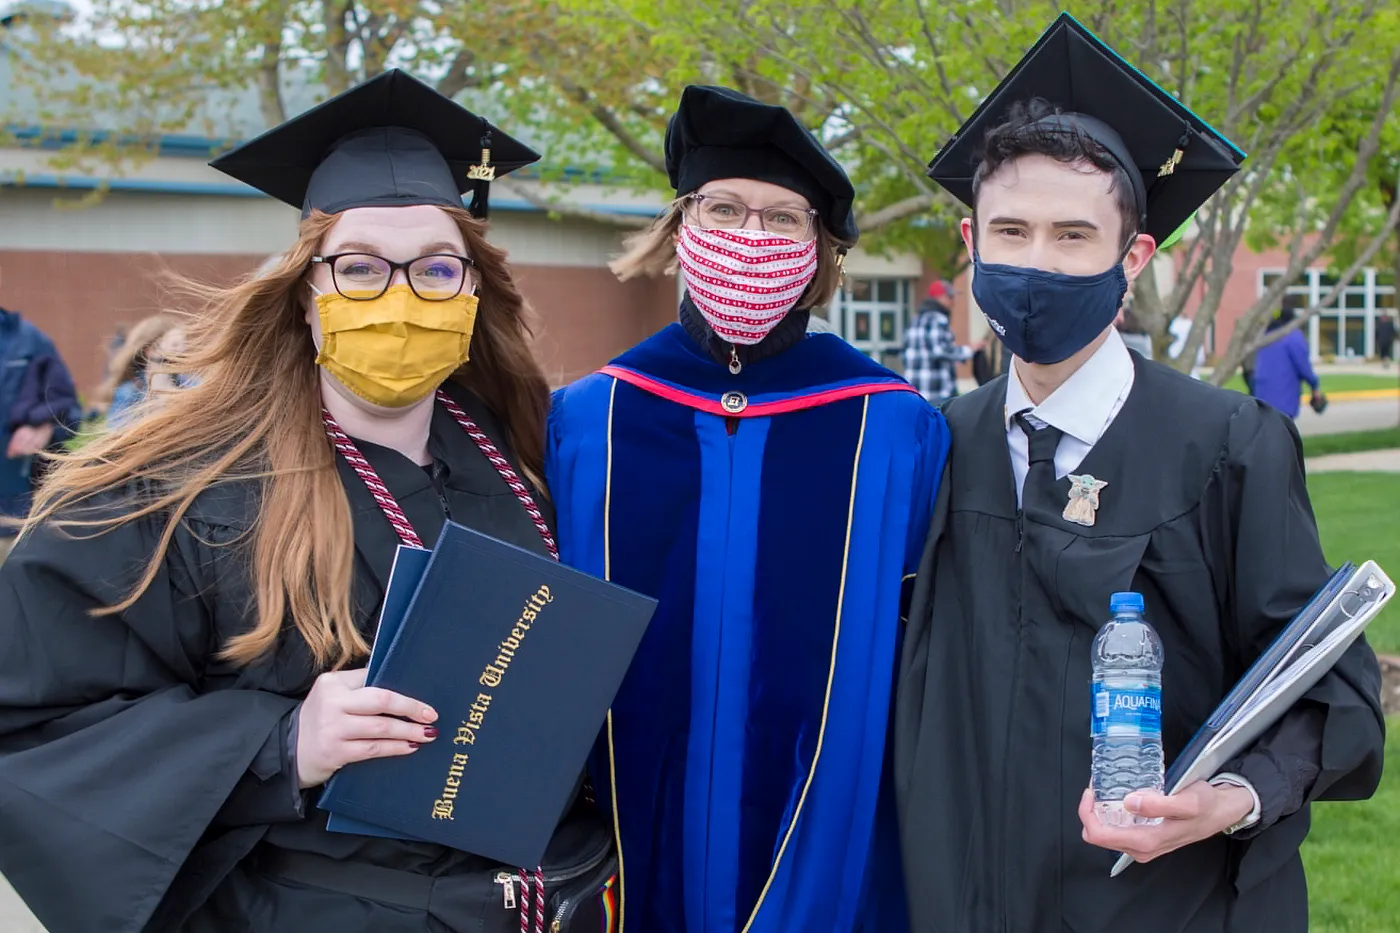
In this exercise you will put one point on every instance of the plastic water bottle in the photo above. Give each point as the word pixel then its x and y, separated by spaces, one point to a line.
pixel 1127 714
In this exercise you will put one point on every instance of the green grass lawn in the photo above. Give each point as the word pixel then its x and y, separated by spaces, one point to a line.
pixel 1353 852
pixel 1353 857
pixel 1317 445
pixel 1358 515
pixel 1339 382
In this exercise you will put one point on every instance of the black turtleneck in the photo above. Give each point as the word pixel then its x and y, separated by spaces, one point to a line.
pixel 789 331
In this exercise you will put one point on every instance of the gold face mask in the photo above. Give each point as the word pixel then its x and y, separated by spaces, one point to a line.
pixel 395 349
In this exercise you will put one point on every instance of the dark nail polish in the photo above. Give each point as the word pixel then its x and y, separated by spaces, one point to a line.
pixel 430 731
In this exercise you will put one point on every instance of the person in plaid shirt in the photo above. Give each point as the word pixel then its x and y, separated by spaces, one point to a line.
pixel 931 353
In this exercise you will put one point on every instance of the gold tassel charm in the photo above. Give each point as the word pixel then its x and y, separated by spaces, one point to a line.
pixel 1169 166
pixel 485 171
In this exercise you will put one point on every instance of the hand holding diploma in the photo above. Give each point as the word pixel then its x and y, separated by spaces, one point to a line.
pixel 342 721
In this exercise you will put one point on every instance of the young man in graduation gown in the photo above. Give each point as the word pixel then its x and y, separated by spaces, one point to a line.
pixel 1089 470
pixel 770 487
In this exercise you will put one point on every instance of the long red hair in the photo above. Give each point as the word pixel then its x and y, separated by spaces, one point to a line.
pixel 254 415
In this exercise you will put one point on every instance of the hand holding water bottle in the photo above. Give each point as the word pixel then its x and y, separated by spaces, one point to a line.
pixel 1125 810
pixel 1197 812
pixel 1127 711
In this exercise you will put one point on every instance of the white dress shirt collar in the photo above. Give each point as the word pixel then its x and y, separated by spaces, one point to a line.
pixel 1084 405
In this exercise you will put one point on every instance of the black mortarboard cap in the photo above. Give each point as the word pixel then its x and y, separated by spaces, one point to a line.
pixel 389 142
pixel 1174 159
pixel 720 133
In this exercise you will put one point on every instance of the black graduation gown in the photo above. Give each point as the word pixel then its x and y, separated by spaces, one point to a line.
pixel 141 778
pixel 1206 514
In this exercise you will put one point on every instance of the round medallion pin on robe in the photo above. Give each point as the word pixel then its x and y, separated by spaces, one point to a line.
pixel 1083 505
pixel 734 402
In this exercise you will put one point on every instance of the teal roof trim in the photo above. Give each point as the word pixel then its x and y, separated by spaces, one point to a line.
pixel 184 146
pixel 160 186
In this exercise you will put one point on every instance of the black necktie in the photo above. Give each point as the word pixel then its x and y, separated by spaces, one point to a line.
pixel 1042 440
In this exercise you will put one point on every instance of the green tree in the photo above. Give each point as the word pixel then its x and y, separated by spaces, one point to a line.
pixel 1305 87
pixel 133 70
pixel 1325 196
pixel 904 74
pixel 1369 234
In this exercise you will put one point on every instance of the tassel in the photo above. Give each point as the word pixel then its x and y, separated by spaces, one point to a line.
pixel 483 173
pixel 1169 166
pixel 479 207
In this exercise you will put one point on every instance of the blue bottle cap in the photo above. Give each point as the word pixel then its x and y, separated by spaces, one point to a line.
pixel 1126 602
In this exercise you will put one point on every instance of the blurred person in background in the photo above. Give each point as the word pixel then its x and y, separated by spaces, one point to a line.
pixel 1282 367
pixel 931 352
pixel 1385 338
pixel 136 368
pixel 38 411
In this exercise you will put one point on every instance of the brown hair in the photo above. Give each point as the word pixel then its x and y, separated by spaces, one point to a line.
pixel 255 415
pixel 129 360
pixel 652 252
pixel 1023 133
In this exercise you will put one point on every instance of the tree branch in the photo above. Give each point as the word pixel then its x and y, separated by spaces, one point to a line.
pixel 1193 262
pixel 270 102
pixel 562 208
pixel 897 211
pixel 909 156
pixel 609 122
pixel 1392 221
pixel 1300 258
pixel 460 74
pixel 382 40
pixel 1246 52
pixel 845 139
pixel 949 101
pixel 336 71
pixel 1222 234
pixel 1304 258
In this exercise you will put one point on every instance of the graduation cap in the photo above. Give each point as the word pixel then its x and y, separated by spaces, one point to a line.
pixel 720 133
pixel 1174 159
pixel 391 141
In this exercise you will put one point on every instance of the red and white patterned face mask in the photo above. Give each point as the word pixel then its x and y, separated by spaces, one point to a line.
pixel 744 281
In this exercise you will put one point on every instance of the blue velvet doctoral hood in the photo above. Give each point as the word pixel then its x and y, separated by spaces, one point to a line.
pixel 775 514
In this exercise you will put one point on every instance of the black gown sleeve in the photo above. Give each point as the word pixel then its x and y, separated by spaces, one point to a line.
pixel 115 763
pixel 269 791
pixel 1330 745
pixel 912 735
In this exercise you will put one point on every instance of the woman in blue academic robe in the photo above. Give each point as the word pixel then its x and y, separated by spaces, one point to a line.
pixel 772 488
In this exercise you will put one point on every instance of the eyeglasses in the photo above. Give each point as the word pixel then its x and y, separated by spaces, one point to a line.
pixel 365 276
pixel 713 213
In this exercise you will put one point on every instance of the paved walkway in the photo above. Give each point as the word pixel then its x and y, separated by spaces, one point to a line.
pixel 1344 417
pixel 14 917
pixel 1367 461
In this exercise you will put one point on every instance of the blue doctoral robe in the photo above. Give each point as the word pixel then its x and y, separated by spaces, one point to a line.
pixel 776 514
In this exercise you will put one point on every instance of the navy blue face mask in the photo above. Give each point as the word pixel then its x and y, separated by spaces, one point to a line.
pixel 1047 317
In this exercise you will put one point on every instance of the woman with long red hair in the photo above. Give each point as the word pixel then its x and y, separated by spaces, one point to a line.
pixel 185 619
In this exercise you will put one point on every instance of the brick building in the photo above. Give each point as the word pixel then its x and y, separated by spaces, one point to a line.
pixel 81 273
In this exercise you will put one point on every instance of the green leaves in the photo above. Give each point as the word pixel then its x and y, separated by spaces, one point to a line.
pixel 1297 83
